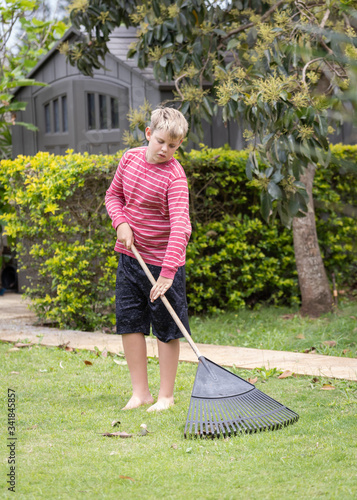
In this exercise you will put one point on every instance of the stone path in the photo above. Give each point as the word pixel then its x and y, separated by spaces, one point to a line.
pixel 17 324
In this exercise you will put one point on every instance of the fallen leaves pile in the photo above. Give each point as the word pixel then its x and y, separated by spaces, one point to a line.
pixel 122 434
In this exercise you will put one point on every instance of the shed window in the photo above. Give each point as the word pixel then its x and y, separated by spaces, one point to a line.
pixel 91 111
pixel 102 112
pixel 64 114
pixel 56 115
pixel 114 112
pixel 56 119
pixel 47 119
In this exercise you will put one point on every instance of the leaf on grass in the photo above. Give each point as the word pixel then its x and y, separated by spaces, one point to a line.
pixel 109 330
pixel 314 380
pixel 300 336
pixel 330 343
pixel 253 380
pixel 328 387
pixel 288 316
pixel 310 350
pixel 13 349
pixel 14 373
pixel 286 374
pixel 353 317
pixel 143 430
pixel 64 346
pixel 117 434
pixel 115 423
pixel 120 362
pixel 127 477
pixel 174 446
pixel 88 363
pixel 105 353
pixel 345 351
pixel 21 345
pixel 61 365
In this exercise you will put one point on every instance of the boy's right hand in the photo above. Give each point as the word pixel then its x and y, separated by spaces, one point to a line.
pixel 125 235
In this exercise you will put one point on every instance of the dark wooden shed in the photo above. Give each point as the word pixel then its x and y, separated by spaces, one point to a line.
pixel 90 113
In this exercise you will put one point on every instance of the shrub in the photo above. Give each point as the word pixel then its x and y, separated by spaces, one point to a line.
pixel 335 194
pixel 65 239
pixel 224 202
pixel 239 261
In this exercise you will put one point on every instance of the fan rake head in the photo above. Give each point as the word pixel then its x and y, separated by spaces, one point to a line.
pixel 223 404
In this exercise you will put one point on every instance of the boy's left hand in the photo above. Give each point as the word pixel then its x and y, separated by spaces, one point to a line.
pixel 160 288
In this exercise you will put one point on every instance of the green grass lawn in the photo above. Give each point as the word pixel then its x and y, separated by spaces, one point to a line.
pixel 64 405
pixel 282 329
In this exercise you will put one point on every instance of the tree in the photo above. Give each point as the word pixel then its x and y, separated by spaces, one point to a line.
pixel 282 65
pixel 19 54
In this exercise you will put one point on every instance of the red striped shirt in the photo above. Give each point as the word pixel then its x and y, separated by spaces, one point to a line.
pixel 153 200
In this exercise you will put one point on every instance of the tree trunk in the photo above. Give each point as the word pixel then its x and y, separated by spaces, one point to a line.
pixel 314 287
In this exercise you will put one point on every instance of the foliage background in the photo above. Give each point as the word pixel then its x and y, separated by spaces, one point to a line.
pixel 65 240
pixel 27 33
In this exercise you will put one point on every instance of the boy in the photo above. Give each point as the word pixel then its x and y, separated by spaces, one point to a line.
pixel 148 204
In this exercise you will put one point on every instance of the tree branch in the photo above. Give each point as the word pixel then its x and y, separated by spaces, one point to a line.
pixel 347 21
pixel 306 66
pixel 205 64
pixel 302 8
pixel 178 88
pixel 250 25
pixel 301 5
pixel 324 19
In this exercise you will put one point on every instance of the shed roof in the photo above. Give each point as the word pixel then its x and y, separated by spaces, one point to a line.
pixel 118 45
pixel 71 32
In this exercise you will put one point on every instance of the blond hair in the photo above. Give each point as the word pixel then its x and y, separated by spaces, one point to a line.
pixel 171 120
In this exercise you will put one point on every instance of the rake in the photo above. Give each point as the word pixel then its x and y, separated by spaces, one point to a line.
pixel 221 402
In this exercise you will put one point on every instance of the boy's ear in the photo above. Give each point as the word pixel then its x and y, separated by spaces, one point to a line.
pixel 148 133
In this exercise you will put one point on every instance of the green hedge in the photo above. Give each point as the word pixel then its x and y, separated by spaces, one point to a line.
pixel 65 239
pixel 249 261
pixel 238 261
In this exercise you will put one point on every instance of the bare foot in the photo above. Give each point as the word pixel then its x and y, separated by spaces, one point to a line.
pixel 135 402
pixel 162 404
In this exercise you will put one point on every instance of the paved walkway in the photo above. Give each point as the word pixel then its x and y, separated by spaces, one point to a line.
pixel 17 324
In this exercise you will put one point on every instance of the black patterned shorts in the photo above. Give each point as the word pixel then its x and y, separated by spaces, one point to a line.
pixel 135 313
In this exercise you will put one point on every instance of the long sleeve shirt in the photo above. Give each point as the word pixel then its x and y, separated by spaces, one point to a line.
pixel 153 200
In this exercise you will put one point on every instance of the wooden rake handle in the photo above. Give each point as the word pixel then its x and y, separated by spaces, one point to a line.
pixel 166 303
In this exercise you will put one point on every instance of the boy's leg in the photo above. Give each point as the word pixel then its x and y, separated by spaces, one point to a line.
pixel 136 356
pixel 168 361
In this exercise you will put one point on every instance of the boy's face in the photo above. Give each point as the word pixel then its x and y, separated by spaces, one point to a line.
pixel 161 146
